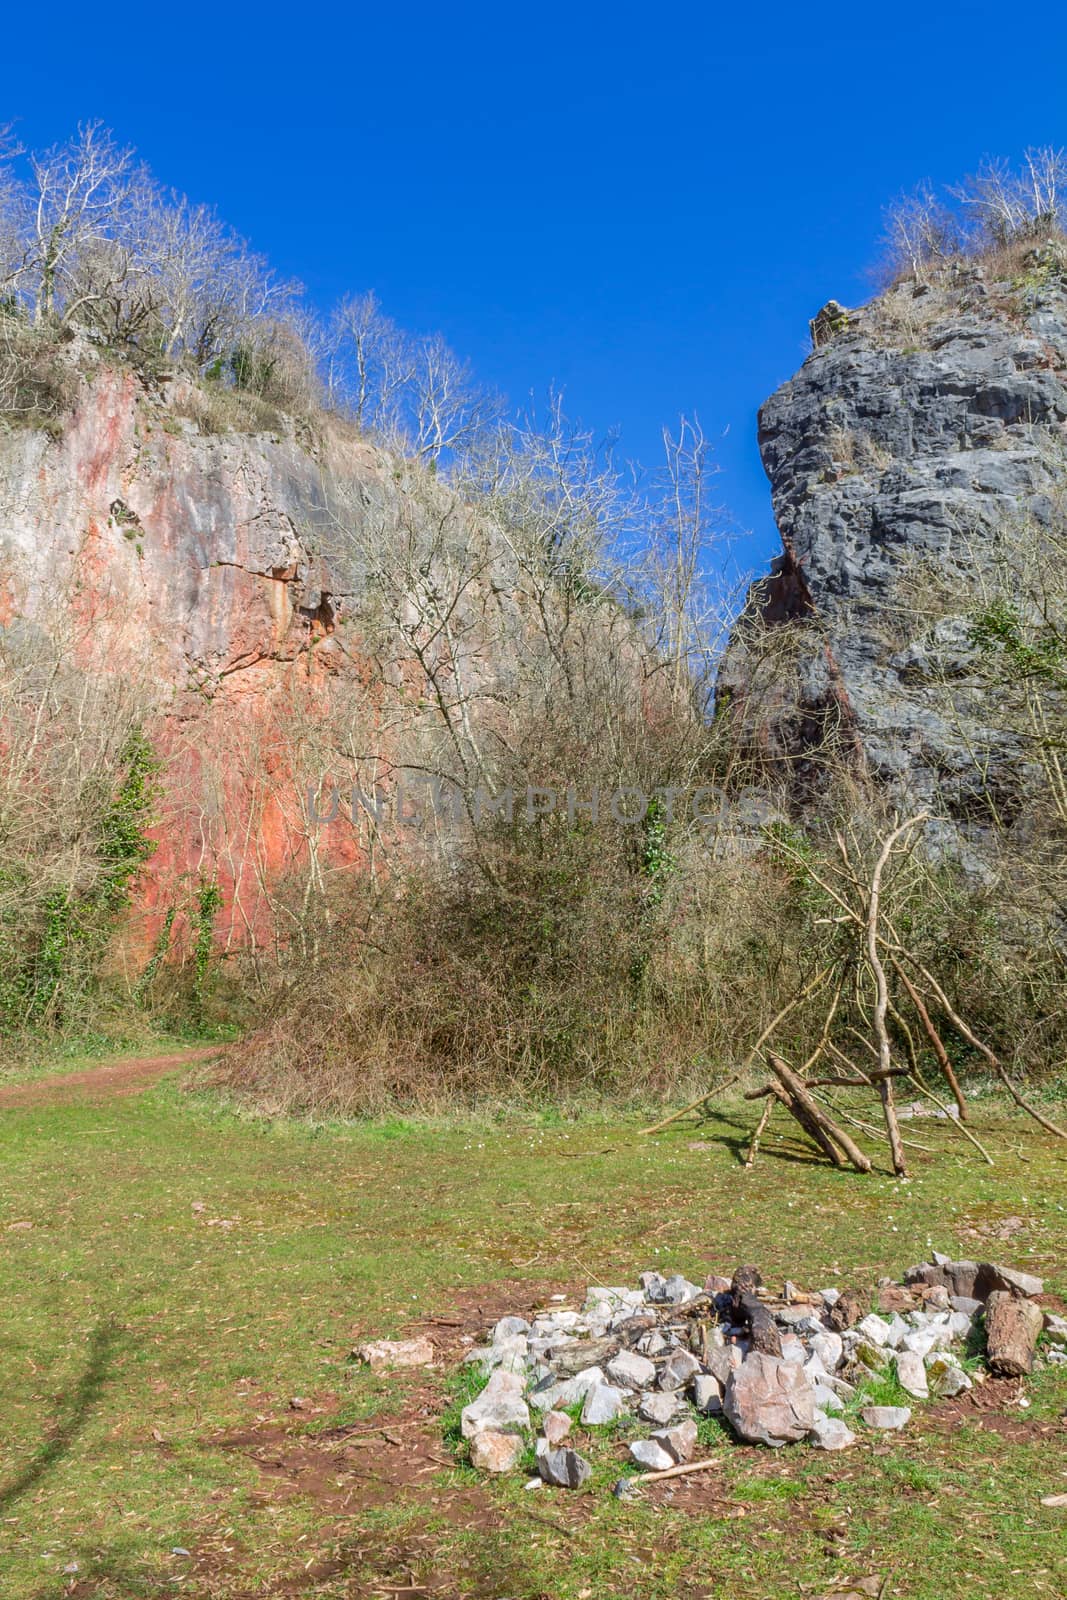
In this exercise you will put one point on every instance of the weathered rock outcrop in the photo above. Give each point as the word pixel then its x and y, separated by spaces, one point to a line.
pixel 922 434
pixel 229 571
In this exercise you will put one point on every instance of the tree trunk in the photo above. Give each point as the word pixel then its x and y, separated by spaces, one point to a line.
pixel 1011 1329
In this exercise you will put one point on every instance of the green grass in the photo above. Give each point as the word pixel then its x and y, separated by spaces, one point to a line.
pixel 138 1330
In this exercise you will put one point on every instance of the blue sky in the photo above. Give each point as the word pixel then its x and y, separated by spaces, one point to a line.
pixel 642 204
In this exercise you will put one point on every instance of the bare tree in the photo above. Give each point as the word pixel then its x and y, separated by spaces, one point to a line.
pixel 1008 203
pixel 78 192
pixel 921 233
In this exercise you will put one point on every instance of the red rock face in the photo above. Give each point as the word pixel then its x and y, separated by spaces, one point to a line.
pixel 285 608
pixel 187 560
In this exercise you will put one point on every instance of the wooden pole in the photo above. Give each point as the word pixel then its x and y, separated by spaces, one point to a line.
pixel 935 1039
pixel 814 1118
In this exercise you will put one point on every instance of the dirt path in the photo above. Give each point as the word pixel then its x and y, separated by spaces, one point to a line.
pixel 110 1080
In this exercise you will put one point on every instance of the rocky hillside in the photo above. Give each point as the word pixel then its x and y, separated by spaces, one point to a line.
pixel 267 585
pixel 912 461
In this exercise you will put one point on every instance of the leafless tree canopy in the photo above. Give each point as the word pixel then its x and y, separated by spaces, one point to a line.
pixel 997 206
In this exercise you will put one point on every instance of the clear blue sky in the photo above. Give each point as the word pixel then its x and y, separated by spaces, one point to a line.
pixel 641 203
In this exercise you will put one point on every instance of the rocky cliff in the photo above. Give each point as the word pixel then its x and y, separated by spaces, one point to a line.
pixel 922 444
pixel 229 573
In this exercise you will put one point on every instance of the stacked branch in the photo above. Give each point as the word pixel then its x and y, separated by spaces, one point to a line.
pixel 881 996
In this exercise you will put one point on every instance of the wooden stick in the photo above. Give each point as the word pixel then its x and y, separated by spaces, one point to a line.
pixel 680 1471
pixel 983 1049
pixel 921 1085
pixel 675 1116
pixel 810 1124
pixel 885 1060
pixel 753 1148
pixel 798 1093
pixel 867 1127
pixel 934 1037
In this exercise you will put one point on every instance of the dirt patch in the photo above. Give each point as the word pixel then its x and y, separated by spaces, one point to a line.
pixel 110 1080
pixel 472 1312
pixel 994 1406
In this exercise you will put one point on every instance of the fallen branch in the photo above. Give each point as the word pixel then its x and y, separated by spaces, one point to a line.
pixel 680 1471
pixel 815 1121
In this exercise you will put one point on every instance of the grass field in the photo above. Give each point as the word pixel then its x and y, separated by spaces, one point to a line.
pixel 174 1277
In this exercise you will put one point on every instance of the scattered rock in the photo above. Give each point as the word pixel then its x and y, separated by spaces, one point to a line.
pixel 846 1310
pixel 707 1394
pixel 991 1279
pixel 500 1407
pixel 1055 1328
pixel 566 1469
pixel 679 1441
pixel 660 1407
pixel 603 1404
pixel 911 1374
pixel 874 1329
pixel 381 1354
pixel 945 1377
pixel 888 1418
pixel 509 1326
pixel 830 1433
pixel 495 1452
pixel 556 1426
pixel 677 1370
pixel 829 1347
pixel 631 1371
pixel 647 1453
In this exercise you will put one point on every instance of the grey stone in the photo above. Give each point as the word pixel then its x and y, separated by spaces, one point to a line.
pixel 873 1328
pixel 946 1378
pixel 829 1348
pixel 768 1401
pixel 566 1469
pixel 830 1433
pixel 872 1356
pixel 652 1343
pixel 914 420
pixel 677 1370
pixel 507 1327
pixel 500 1409
pixel 603 1404
pixel 678 1291
pixel 679 1441
pixel 1055 1328
pixel 660 1407
pixel 631 1370
pixel 888 1418
pixel 723 1360
pixel 1008 1280
pixel 707 1394
pixel 648 1454
pixel 826 1399
pixel 964 1303
pixel 897 1330
pixel 793 1349
pixel 911 1374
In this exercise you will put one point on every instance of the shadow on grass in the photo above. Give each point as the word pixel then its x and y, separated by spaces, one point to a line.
pixel 74 1411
